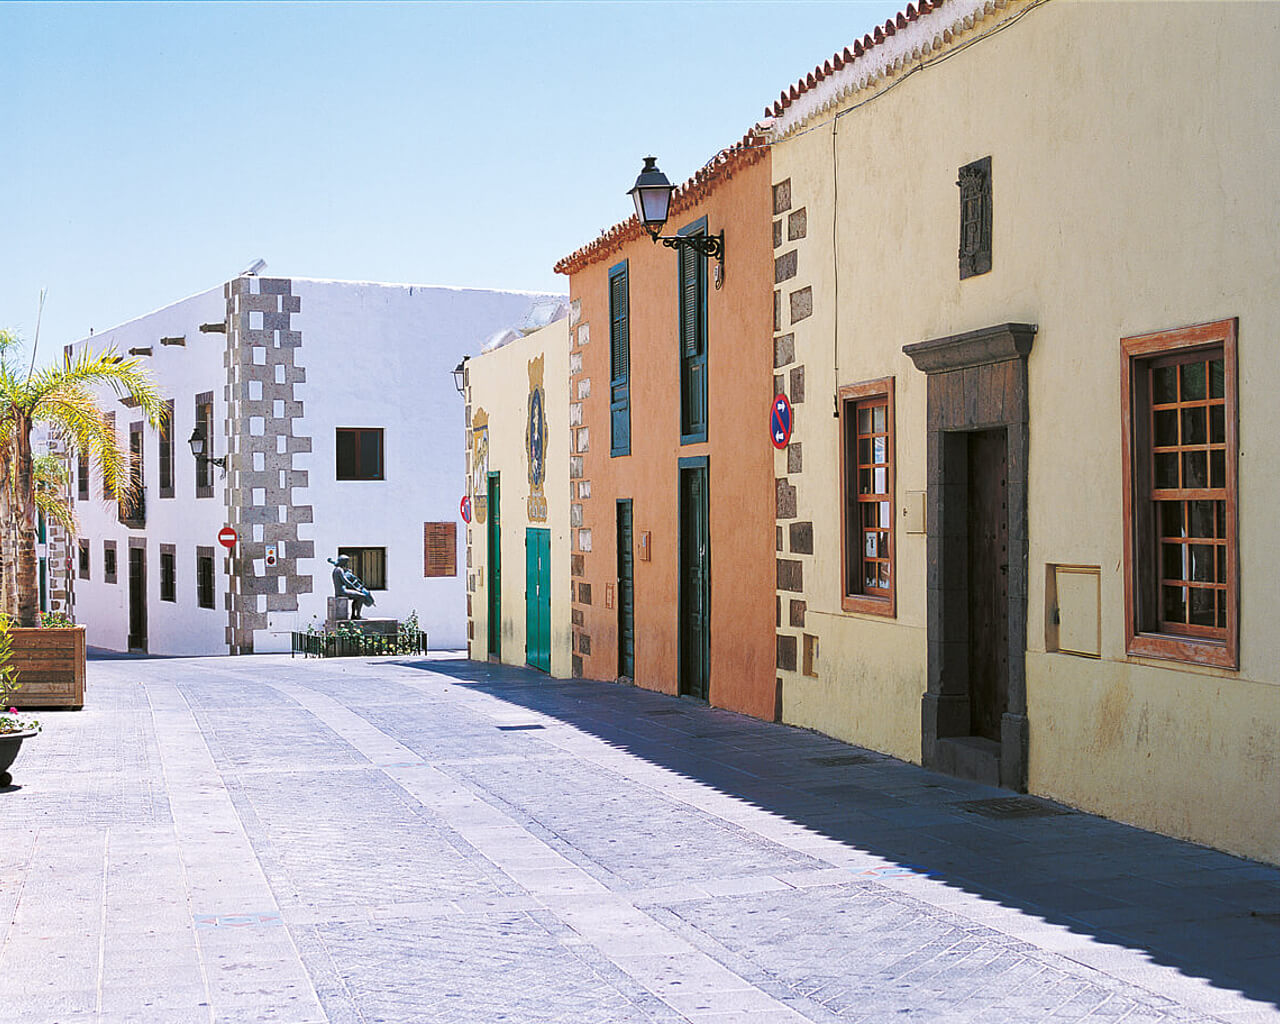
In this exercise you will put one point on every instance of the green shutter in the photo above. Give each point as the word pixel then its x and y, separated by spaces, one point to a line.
pixel 620 340
pixel 620 357
pixel 690 308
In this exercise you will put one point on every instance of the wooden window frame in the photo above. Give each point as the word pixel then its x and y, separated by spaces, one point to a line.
pixel 109 562
pixel 851 396
pixel 696 361
pixel 84 563
pixel 360 472
pixel 1144 635
pixel 204 556
pixel 165 462
pixel 82 475
pixel 168 573
pixel 356 554
pixel 619 362
pixel 204 466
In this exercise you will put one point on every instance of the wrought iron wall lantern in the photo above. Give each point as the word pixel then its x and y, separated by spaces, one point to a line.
pixel 460 375
pixel 652 195
pixel 198 444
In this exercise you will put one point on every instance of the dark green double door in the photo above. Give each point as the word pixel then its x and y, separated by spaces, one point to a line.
pixel 695 580
pixel 537 598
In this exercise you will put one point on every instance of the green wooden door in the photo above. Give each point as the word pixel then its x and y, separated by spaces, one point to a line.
pixel 495 569
pixel 695 582
pixel 537 598
pixel 626 593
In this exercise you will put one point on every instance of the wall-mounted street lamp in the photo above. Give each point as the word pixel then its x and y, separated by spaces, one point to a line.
pixel 198 444
pixel 459 374
pixel 652 194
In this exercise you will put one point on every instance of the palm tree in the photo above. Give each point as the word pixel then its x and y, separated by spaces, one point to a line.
pixel 63 397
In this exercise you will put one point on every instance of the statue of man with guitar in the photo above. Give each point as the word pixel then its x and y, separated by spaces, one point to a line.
pixel 347 584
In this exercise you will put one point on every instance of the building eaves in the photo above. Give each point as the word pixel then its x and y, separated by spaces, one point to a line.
pixel 924 28
pixel 748 150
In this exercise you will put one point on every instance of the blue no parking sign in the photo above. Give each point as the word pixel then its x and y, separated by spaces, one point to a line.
pixel 780 422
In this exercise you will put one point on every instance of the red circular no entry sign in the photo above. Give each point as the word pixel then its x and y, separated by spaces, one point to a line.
pixel 227 537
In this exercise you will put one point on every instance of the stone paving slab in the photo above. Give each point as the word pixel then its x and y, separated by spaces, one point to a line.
pixel 433 840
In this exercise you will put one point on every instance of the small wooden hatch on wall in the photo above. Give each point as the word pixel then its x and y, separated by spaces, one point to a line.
pixel 1073 610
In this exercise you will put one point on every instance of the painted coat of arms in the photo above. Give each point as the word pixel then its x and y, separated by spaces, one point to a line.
pixel 535 441
pixel 479 464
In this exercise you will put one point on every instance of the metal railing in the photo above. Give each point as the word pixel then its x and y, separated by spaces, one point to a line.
pixel 358 645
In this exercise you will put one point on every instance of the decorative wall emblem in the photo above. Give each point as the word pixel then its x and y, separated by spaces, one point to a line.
pixel 535 441
pixel 480 464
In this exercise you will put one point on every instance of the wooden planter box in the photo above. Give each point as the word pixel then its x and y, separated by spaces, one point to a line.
pixel 50 664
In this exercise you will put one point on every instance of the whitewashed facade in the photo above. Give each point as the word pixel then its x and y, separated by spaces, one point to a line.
pixel 284 367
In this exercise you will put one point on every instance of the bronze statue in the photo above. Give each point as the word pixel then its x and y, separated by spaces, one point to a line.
pixel 347 584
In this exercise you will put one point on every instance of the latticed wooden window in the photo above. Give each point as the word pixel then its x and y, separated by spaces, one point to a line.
pixel 1181 545
pixel 867 486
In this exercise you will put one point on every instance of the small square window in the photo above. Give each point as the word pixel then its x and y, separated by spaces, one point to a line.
pixel 359 453
pixel 369 564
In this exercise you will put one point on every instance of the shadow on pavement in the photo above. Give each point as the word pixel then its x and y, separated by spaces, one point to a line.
pixel 1205 913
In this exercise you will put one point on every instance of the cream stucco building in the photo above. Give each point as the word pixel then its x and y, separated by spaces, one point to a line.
pixel 518 555
pixel 1026 253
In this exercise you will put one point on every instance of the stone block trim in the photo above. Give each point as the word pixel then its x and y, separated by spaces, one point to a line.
pixel 263 373
pixel 579 493
pixel 793 304
pixel 784 350
pixel 801 304
pixel 782 197
pixel 797 225
pixel 786 499
pixel 786 653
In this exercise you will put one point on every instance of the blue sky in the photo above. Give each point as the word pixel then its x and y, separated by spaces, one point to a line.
pixel 155 150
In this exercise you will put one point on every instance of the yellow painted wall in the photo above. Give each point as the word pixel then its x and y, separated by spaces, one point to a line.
pixel 1134 151
pixel 498 384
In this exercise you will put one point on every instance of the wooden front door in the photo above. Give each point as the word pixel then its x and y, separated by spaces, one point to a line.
pixel 695 584
pixel 537 598
pixel 494 581
pixel 988 540
pixel 626 593
pixel 138 599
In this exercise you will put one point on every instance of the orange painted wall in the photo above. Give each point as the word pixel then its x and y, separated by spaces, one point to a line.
pixel 741 479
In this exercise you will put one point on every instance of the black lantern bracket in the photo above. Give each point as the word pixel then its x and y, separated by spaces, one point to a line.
pixel 652 194
pixel 198 441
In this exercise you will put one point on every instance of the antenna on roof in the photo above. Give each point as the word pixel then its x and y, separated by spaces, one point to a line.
pixel 254 268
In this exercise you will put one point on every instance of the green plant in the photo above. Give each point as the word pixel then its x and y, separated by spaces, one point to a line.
pixel 10 721
pixel 56 620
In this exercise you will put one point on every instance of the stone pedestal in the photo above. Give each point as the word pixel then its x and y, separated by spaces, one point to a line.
pixel 338 610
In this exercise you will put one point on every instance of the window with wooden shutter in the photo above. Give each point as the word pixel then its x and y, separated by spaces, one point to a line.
pixel 204 467
pixel 369 565
pixel 619 362
pixel 439 549
pixel 166 451
pixel 692 287
pixel 1180 440
pixel 359 453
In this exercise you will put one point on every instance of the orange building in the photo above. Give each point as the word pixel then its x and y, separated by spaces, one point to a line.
pixel 671 466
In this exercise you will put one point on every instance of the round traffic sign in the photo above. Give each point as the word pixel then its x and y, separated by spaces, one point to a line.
pixel 780 422
pixel 464 507
pixel 227 537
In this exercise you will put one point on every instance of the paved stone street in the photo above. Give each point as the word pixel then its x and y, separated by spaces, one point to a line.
pixel 262 839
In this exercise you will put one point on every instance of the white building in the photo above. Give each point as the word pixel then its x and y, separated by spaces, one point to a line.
pixel 334 407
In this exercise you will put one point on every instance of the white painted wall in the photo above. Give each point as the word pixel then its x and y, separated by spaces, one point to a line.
pixel 375 356
pixel 382 356
pixel 178 627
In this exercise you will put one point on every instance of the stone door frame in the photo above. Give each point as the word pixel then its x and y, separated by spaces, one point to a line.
pixel 976 381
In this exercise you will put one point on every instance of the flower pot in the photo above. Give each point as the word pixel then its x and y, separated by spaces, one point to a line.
pixel 10 744
pixel 50 664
